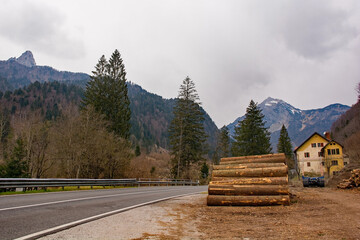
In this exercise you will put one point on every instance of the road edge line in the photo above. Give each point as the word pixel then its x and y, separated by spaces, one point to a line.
pixel 96 217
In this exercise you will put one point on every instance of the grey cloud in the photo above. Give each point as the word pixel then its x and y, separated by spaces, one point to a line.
pixel 315 29
pixel 233 50
pixel 38 27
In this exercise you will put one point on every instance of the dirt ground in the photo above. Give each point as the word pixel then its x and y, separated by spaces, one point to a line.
pixel 315 213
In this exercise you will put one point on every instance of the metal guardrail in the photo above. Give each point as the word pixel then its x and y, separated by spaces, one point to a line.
pixel 11 183
pixel 159 181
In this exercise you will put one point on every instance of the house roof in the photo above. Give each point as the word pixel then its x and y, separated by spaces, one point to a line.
pixel 315 133
pixel 332 141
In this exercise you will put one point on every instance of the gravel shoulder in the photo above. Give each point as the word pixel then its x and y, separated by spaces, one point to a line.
pixel 315 213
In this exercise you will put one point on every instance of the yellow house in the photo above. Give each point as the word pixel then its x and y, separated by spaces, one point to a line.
pixel 333 159
pixel 318 155
pixel 308 156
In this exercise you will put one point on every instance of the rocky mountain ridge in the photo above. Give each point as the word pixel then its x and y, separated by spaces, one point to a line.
pixel 26 59
pixel 20 72
pixel 299 123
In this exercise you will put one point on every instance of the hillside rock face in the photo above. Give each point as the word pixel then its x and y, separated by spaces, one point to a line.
pixel 26 59
pixel 22 71
pixel 299 123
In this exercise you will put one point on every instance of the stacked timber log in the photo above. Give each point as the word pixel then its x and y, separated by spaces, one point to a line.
pixel 250 181
pixel 353 181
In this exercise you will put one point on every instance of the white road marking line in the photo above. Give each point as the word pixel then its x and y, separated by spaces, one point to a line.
pixel 89 219
pixel 77 199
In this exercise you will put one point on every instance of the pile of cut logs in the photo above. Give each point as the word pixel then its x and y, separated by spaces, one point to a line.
pixel 353 181
pixel 259 180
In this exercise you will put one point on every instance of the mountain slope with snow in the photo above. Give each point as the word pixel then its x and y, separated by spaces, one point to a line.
pixel 299 123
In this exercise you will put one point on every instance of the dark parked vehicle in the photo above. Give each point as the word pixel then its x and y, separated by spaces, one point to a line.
pixel 313 181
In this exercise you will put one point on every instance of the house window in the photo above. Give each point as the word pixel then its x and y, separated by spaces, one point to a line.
pixel 329 152
pixel 334 162
pixel 345 163
pixel 308 164
pixel 313 145
pixel 337 151
pixel 323 163
pixel 319 154
pixel 320 144
pixel 307 155
pixel 333 152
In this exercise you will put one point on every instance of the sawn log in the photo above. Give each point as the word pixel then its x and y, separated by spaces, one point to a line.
pixel 219 200
pixel 252 172
pixel 249 181
pixel 243 190
pixel 266 156
pixel 247 165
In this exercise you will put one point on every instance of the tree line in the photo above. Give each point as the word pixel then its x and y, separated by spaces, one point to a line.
pixel 67 141
pixel 46 136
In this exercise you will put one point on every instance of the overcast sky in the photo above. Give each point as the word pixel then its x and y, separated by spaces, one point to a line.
pixel 306 53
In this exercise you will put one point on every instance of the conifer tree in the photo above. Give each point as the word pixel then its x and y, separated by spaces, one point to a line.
pixel 224 142
pixel 251 135
pixel 222 146
pixel 285 146
pixel 107 93
pixel 186 131
pixel 16 165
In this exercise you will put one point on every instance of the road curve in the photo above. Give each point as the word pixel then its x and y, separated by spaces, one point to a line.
pixel 24 215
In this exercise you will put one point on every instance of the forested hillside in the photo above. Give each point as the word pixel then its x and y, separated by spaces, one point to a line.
pixel 46 99
pixel 151 116
pixel 43 134
pixel 346 130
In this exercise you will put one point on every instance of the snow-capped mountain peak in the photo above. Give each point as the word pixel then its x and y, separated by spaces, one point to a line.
pixel 300 123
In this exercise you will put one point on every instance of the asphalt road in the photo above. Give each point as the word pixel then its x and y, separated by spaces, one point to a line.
pixel 23 215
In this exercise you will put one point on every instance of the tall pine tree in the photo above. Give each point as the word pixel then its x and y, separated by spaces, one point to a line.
pixel 186 131
pixel 224 142
pixel 251 135
pixel 285 146
pixel 107 92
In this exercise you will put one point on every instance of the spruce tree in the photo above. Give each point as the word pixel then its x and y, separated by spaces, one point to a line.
pixel 186 131
pixel 222 146
pixel 251 135
pixel 284 146
pixel 224 142
pixel 107 93
pixel 16 165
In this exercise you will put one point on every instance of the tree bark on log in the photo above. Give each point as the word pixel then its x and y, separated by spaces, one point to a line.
pixel 247 165
pixel 217 200
pixel 244 190
pixel 250 181
pixel 266 156
pixel 252 172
